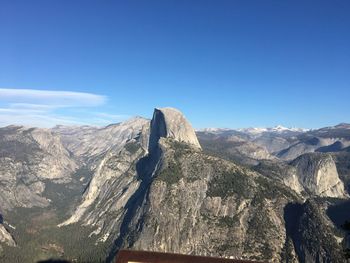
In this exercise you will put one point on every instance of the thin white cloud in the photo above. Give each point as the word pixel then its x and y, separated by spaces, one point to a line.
pixel 20 111
pixel 66 98
pixel 37 120
pixel 31 106
pixel 45 108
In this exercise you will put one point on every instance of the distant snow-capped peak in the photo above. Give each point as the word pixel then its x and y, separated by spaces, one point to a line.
pixel 213 129
pixel 277 129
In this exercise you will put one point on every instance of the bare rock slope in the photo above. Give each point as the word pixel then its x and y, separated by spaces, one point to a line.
pixel 115 177
pixel 29 157
pixel 317 173
pixel 171 123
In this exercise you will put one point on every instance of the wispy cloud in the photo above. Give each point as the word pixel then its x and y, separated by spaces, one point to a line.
pixel 46 108
pixel 38 107
pixel 63 98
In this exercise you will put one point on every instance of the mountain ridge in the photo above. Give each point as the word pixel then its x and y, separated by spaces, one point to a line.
pixel 134 179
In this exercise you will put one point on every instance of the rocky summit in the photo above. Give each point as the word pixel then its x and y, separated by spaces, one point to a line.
pixel 318 174
pixel 171 123
pixel 83 193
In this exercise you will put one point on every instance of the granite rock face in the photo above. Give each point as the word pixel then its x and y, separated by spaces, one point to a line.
pixel 168 195
pixel 191 201
pixel 317 173
pixel 171 123
pixel 233 146
pixel 283 172
pixel 5 237
pixel 29 157
pixel 311 174
pixel 152 187
pixel 198 204
pixel 312 234
pixel 114 178
pixel 87 142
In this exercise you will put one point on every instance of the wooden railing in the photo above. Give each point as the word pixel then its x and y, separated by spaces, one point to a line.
pixel 132 256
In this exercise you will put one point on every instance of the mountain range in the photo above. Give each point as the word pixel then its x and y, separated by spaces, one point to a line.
pixel 83 193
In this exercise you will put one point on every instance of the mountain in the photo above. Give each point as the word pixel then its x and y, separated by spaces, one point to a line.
pixel 311 174
pixel 169 122
pixel 318 174
pixel 158 185
pixel 180 191
pixel 280 142
pixel 306 221
pixel 327 139
pixel 87 142
pixel 28 158
pixel 279 129
pixel 5 237
pixel 234 146
pixel 115 178
pixel 186 192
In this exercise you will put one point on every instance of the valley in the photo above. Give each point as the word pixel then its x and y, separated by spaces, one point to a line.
pixel 82 193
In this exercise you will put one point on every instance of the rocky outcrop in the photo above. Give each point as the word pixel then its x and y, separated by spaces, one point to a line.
pixel 114 182
pixel 28 157
pixel 87 142
pixel 317 173
pixel 171 123
pixel 282 172
pixel 5 237
pixel 273 143
pixel 198 204
pixel 191 201
pixel 309 143
pixel 152 188
pixel 232 146
pixel 312 234
pixel 312 174
pixel 115 177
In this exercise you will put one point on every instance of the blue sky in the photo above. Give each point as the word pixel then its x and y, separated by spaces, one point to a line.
pixel 223 63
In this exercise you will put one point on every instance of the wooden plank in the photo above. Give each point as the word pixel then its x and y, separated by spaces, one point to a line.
pixel 132 256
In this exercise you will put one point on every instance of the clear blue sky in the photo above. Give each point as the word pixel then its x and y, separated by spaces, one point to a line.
pixel 223 63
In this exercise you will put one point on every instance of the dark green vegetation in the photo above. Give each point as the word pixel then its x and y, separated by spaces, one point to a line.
pixel 227 221
pixel 132 147
pixel 171 174
pixel 228 183
pixel 39 238
pixel 257 230
pixel 172 171
pixel 338 212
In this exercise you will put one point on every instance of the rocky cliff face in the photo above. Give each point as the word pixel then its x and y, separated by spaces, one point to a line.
pixel 209 206
pixel 152 187
pixel 191 201
pixel 312 233
pixel 312 174
pixel 317 173
pixel 171 123
pixel 115 177
pixel 282 172
pixel 88 142
pixel 28 157
pixel 173 197
pixel 5 237
pixel 234 146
